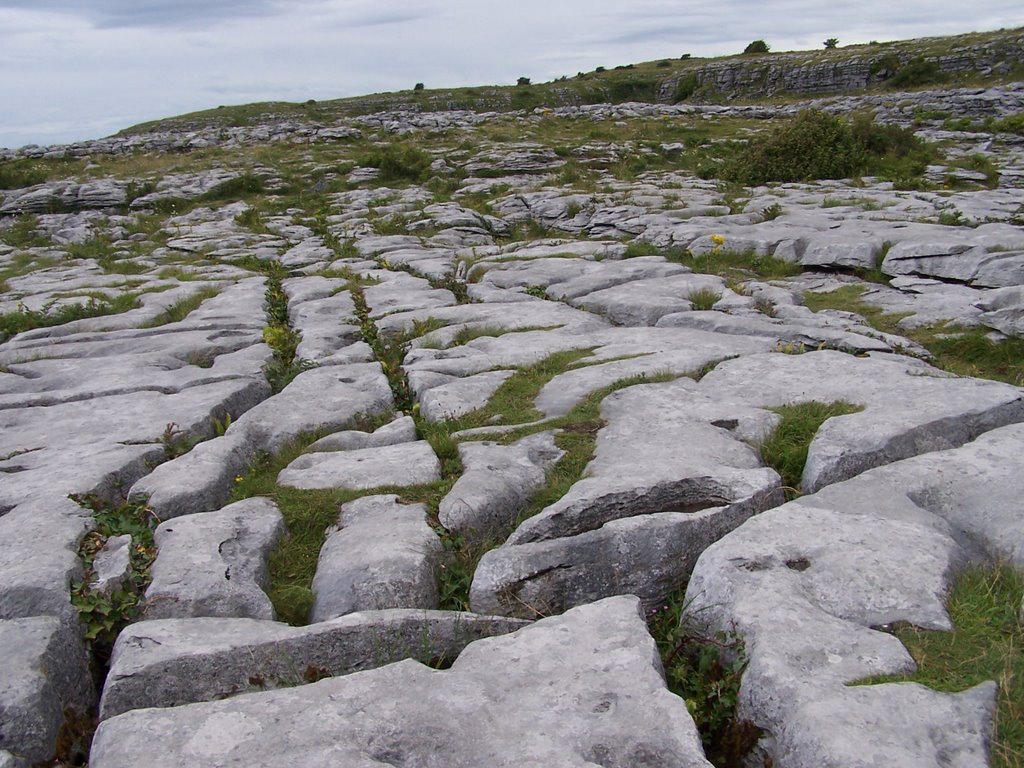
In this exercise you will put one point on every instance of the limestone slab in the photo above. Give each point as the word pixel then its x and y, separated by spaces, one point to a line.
pixel 215 563
pixel 382 554
pixel 363 468
pixel 581 688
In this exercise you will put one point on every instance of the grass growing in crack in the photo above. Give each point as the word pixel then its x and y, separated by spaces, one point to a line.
pixel 578 438
pixel 986 644
pixel 785 449
pixel 105 615
pixel 705 671
pixel 182 308
pixel 739 265
pixel 704 298
pixel 24 319
pixel 963 351
pixel 308 514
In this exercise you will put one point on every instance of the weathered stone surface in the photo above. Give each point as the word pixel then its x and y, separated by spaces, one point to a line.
pixel 112 564
pixel 170 662
pixel 457 397
pixel 664 483
pixel 39 557
pixel 401 430
pixel 655 456
pixel 363 468
pixel 382 554
pixel 592 675
pixel 496 484
pixel 215 563
pixel 44 672
pixel 909 407
pixel 1004 311
pixel 805 585
pixel 321 398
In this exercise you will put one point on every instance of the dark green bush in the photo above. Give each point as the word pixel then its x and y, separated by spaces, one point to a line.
pixel 632 90
pixel 815 145
pixel 233 189
pixel 916 73
pixel 398 162
pixel 686 87
pixel 16 174
pixel 758 46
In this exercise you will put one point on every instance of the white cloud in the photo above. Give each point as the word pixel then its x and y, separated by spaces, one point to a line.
pixel 68 72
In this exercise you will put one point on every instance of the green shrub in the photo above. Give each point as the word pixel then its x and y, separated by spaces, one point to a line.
pixel 233 189
pixel 815 145
pixel 685 88
pixel 15 174
pixel 832 42
pixel 398 162
pixel 917 72
pixel 1010 124
pixel 758 46
pixel 633 90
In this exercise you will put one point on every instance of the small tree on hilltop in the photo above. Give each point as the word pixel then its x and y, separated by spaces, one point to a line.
pixel 832 42
pixel 523 81
pixel 758 46
pixel 418 87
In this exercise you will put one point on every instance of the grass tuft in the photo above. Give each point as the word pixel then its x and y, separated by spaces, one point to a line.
pixel 987 643
pixel 785 449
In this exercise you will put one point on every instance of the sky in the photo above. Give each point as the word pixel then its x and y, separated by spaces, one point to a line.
pixel 82 69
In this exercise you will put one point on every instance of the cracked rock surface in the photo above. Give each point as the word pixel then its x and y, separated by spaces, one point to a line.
pixel 402 467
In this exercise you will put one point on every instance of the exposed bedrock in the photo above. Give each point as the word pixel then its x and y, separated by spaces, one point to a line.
pixel 811 587
pixel 170 662
pixel 664 483
pixel 382 554
pixel 582 688
pixel 909 406
pixel 215 563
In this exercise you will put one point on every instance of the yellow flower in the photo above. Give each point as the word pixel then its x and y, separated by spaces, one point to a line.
pixel 718 240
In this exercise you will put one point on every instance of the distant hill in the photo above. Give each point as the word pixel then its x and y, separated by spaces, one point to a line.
pixel 981 58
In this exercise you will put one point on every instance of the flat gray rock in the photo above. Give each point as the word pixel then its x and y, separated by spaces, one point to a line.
pixel 44 671
pixel 592 677
pixel 909 407
pixel 215 563
pixel 327 398
pixel 364 468
pixel 664 448
pixel 401 430
pixel 457 397
pixel 39 558
pixel 170 662
pixel 496 484
pixel 807 585
pixel 382 554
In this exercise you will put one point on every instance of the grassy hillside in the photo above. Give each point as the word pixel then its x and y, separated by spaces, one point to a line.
pixel 974 58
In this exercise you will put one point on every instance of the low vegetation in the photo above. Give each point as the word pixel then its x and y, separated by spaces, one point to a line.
pixel 706 672
pixel 785 449
pixel 816 145
pixel 985 644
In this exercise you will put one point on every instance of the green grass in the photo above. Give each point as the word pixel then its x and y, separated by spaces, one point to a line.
pixel 307 515
pixel 963 351
pixel 785 449
pixel 987 643
pixel 704 298
pixel 23 233
pixel 739 265
pixel 12 323
pixel 182 308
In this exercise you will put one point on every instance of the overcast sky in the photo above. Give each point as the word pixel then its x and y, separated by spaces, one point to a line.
pixel 79 69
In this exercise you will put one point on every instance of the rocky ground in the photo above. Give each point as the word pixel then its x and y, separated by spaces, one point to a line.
pixel 377 462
